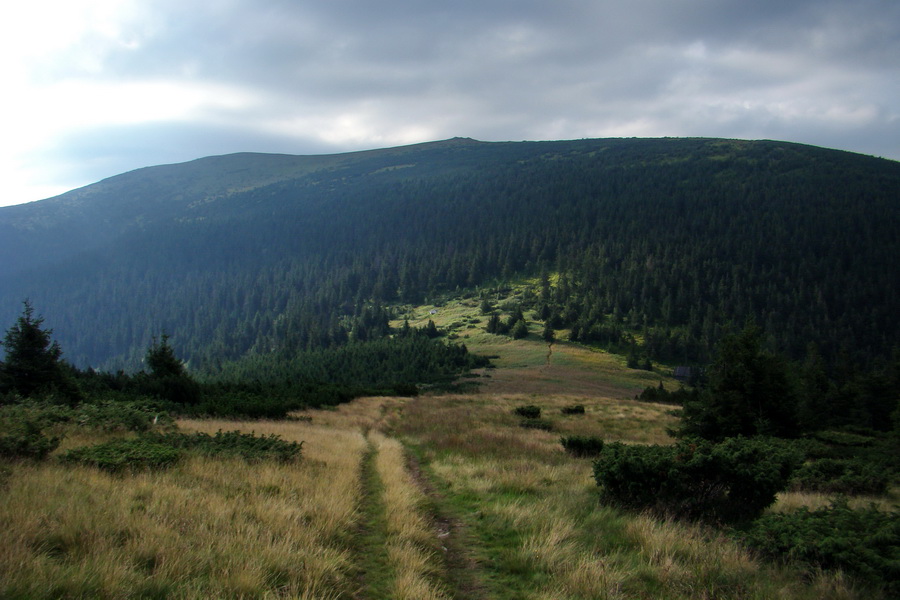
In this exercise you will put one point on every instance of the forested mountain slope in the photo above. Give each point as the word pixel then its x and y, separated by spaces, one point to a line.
pixel 254 253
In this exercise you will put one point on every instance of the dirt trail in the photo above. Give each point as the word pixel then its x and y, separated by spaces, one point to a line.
pixel 371 555
pixel 462 568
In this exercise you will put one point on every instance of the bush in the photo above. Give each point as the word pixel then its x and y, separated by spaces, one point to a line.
pixel 248 446
pixel 519 330
pixel 529 412
pixel 728 482
pixel 863 543
pixel 582 445
pixel 243 404
pixel 542 424
pixel 838 476
pixel 135 454
pixel 22 428
pixel 158 450
pixel 120 416
pixel 577 409
pixel 661 395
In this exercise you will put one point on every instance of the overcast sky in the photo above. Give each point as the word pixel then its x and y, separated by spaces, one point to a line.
pixel 93 88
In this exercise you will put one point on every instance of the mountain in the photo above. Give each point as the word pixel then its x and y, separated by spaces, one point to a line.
pixel 667 239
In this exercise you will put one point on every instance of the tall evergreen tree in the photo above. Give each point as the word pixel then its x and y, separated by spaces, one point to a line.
pixel 749 393
pixel 33 364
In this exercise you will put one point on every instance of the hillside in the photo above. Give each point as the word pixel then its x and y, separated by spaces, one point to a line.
pixel 654 243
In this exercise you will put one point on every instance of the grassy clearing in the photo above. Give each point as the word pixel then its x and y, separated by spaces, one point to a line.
pixel 205 528
pixel 350 521
pixel 529 366
pixel 540 530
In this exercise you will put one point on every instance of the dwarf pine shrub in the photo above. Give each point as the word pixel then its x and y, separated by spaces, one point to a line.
pixel 529 411
pixel 865 543
pixel 841 476
pixel 134 454
pixel 728 482
pixel 158 450
pixel 248 446
pixel 536 423
pixel 582 445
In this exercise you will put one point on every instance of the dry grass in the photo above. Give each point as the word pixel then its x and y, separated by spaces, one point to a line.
pixel 205 528
pixel 791 501
pixel 537 511
pixel 411 540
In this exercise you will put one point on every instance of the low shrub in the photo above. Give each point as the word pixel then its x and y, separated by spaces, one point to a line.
pixel 537 423
pixel 160 450
pixel 248 446
pixel 840 476
pixel 529 411
pixel 729 482
pixel 243 404
pixel 844 438
pixel 865 544
pixel 582 445
pixel 22 432
pixel 576 409
pixel 661 395
pixel 134 454
pixel 120 416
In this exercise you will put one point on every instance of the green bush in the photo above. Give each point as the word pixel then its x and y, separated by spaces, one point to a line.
pixel 541 424
pixel 576 409
pixel 111 415
pixel 134 454
pixel 582 445
pixel 529 411
pixel 243 404
pixel 863 543
pixel 22 430
pixel 728 482
pixel 232 443
pixel 661 395
pixel 839 476
pixel 160 450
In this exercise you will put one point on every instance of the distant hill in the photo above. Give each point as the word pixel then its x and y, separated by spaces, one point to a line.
pixel 256 253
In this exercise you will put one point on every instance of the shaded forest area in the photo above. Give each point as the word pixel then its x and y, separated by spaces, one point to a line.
pixel 662 240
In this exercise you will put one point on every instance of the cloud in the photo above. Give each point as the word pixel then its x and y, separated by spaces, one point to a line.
pixel 125 84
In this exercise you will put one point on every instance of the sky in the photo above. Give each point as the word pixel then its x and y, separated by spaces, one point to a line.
pixel 94 88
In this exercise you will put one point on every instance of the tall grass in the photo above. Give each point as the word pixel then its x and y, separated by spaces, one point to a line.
pixel 541 528
pixel 205 528
pixel 411 540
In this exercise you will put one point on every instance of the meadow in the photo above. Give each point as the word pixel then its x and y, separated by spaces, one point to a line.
pixel 443 495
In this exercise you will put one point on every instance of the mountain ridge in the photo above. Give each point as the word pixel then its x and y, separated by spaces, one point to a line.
pixel 272 239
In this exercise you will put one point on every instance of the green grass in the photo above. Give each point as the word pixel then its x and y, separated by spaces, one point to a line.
pixel 370 543
pixel 535 516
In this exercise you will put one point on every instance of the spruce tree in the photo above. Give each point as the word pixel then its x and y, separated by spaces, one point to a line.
pixel 33 364
pixel 749 393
